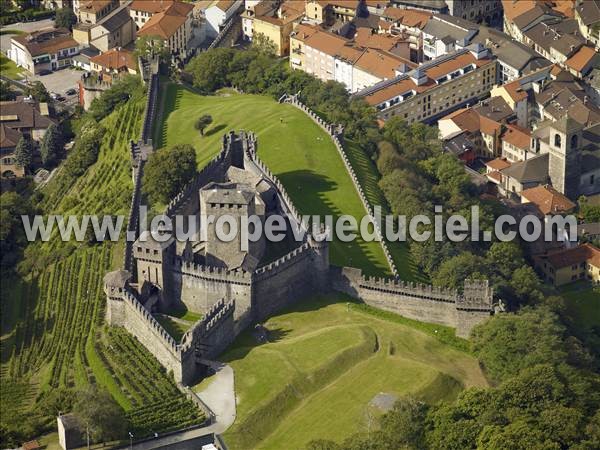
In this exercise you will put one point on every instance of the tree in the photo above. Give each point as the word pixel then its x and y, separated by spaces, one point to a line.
pixel 99 414
pixel 210 69
pixel 24 152
pixel 6 92
pixel 119 93
pixel 51 145
pixel 203 122
pixel 38 91
pixel 453 272
pixel 264 44
pixel 168 171
pixel 65 18
pixel 147 46
pixel 509 343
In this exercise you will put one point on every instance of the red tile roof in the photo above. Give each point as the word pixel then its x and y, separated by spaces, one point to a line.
pixel 581 58
pixel 498 164
pixel 165 23
pixel 116 59
pixel 517 136
pixel 569 257
pixel 548 200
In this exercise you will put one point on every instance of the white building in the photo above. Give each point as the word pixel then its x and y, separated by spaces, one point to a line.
pixel 217 15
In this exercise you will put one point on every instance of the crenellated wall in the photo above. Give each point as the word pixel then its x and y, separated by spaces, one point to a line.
pixel 336 134
pixel 126 311
pixel 418 301
pixel 232 300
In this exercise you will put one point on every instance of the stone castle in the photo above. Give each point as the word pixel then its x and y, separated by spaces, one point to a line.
pixel 233 288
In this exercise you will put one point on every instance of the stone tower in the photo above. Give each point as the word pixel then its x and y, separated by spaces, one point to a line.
pixel 238 202
pixel 565 156
pixel 154 259
pixel 320 246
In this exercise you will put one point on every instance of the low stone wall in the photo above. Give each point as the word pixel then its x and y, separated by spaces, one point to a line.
pixel 230 34
pixel 335 134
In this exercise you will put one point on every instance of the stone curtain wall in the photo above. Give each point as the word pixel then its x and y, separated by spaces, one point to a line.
pixel 333 132
pixel 419 301
pixel 128 312
pixel 139 153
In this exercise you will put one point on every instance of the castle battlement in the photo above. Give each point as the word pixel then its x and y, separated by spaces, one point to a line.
pixel 215 316
pixel 212 273
pixel 409 289
pixel 152 323
pixel 286 260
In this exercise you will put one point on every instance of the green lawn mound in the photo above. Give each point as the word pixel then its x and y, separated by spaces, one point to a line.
pixel 325 362
pixel 297 150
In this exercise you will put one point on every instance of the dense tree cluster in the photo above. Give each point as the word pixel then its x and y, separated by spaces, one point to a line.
pixel 546 395
pixel 12 235
pixel 168 171
pixel 416 177
pixel 118 94
pixel 65 18
pixel 51 145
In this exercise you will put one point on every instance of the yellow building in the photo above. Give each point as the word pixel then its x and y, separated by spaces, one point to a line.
pixel 570 265
pixel 437 87
pixel 278 27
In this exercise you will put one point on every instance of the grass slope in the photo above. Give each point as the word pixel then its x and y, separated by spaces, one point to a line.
pixel 329 351
pixel 290 143
pixel 583 303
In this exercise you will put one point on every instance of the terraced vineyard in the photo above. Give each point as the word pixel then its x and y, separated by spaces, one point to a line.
pixel 52 328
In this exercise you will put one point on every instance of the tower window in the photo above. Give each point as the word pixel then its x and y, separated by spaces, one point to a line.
pixel 574 141
pixel 557 140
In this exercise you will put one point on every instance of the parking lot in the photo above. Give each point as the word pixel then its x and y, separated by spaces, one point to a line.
pixel 59 81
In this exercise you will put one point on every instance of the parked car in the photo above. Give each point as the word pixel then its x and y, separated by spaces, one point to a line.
pixel 53 95
pixel 71 91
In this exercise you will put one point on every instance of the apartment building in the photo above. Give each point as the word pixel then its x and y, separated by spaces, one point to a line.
pixel 277 25
pixel 436 88
pixel 92 11
pixel 47 49
pixel 408 22
pixel 117 29
pixel 516 143
pixel 173 24
pixel 357 64
pixel 217 15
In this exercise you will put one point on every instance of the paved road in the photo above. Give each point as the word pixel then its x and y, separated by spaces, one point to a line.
pixel 219 396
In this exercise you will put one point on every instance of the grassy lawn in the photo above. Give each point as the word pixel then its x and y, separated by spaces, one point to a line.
pixel 290 143
pixel 583 303
pixel 176 329
pixel 327 351
pixel 9 69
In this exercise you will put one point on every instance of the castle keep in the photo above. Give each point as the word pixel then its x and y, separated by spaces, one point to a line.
pixel 233 288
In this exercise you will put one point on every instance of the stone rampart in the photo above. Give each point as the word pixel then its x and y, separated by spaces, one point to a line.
pixel 336 135
pixel 417 301
pixel 138 321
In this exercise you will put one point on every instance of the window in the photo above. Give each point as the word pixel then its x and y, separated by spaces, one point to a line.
pixel 574 141
pixel 557 140
pixel 592 179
